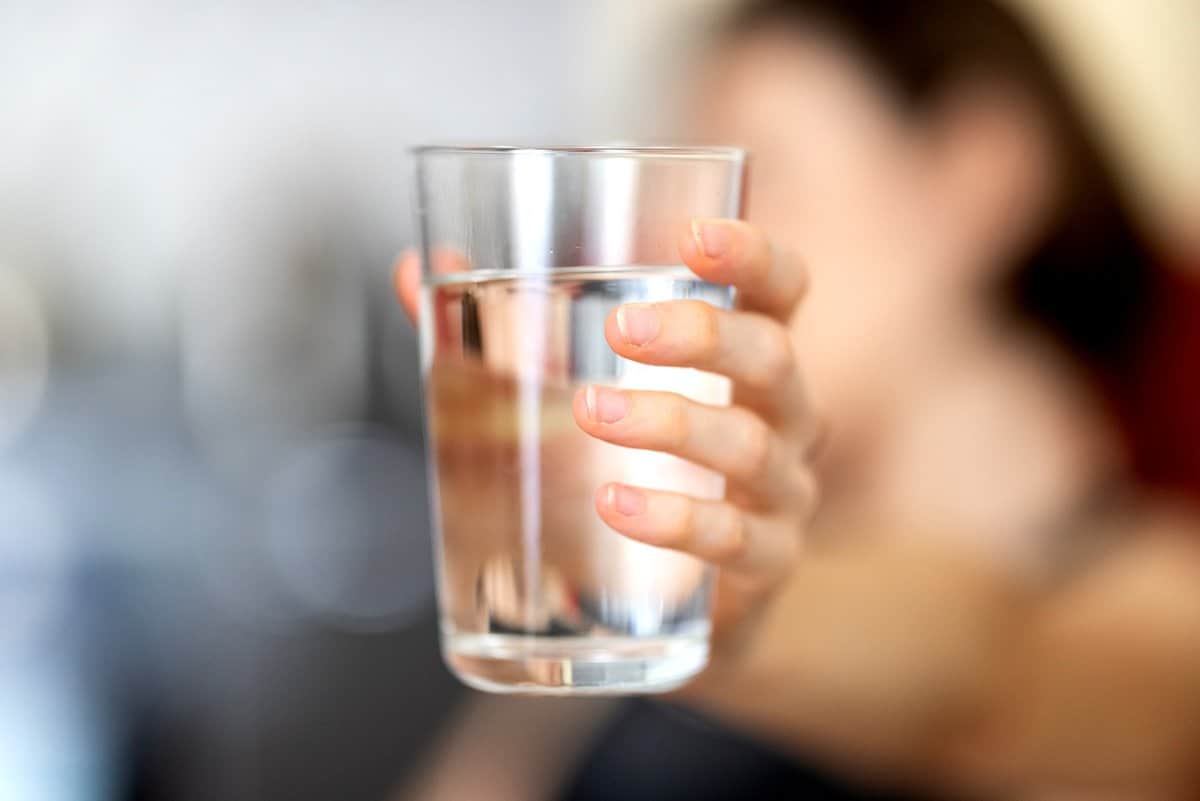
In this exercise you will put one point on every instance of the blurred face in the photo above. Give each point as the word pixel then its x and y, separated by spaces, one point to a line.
pixel 873 202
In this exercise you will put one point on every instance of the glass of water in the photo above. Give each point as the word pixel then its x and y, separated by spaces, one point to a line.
pixel 525 251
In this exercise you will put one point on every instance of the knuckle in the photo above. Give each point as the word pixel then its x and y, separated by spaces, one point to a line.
pixel 756 447
pixel 777 357
pixel 676 423
pixel 735 534
pixel 704 335
pixel 683 527
pixel 807 494
pixel 746 238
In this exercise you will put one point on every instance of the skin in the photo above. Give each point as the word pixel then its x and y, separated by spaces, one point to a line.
pixel 754 535
pixel 939 630
pixel 990 686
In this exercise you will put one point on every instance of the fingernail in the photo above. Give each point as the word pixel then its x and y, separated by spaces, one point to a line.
pixel 638 323
pixel 605 405
pixel 626 500
pixel 711 237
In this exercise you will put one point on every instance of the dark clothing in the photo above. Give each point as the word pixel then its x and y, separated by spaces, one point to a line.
pixel 658 752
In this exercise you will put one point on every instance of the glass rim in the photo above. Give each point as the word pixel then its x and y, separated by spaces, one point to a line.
pixel 714 152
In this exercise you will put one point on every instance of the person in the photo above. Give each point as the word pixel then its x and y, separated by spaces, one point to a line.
pixel 987 600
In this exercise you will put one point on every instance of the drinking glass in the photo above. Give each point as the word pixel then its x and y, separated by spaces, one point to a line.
pixel 525 251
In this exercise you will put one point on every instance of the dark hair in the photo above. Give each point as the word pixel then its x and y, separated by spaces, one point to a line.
pixel 1087 280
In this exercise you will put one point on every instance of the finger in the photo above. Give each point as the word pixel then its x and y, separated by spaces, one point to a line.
pixel 447 260
pixel 714 531
pixel 752 349
pixel 730 440
pixel 406 275
pixel 406 278
pixel 735 253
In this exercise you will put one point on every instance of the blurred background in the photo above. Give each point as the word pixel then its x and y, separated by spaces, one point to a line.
pixel 215 576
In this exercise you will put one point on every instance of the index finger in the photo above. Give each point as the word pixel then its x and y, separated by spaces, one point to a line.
pixel 738 254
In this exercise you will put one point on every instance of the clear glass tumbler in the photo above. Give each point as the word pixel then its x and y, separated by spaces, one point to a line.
pixel 525 252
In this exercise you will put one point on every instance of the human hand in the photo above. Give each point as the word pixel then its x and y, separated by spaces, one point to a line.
pixel 760 443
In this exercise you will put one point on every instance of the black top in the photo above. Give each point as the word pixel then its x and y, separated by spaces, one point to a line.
pixel 657 752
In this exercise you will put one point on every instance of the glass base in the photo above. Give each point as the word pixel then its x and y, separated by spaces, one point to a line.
pixel 513 663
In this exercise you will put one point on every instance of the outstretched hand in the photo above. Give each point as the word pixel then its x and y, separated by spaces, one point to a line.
pixel 761 443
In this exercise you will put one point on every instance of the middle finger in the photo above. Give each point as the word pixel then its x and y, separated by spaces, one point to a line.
pixel 730 440
pixel 752 349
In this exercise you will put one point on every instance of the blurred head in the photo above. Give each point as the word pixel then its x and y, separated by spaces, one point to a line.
pixel 923 157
